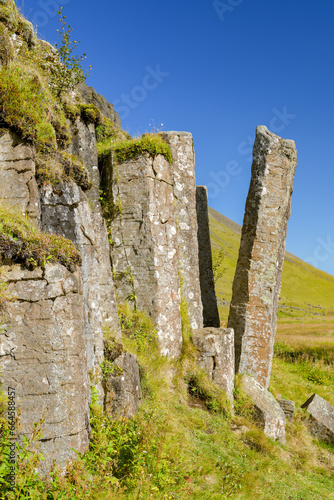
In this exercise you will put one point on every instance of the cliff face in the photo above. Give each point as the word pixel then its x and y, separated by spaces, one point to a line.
pixel 90 219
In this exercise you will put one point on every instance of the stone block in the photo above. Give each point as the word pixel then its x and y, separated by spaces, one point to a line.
pixel 18 186
pixel 288 407
pixel 123 389
pixel 268 412
pixel 208 294
pixel 216 356
pixel 258 276
pixel 43 356
pixel 321 418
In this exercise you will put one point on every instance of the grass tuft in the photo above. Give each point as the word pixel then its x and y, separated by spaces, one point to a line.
pixel 22 242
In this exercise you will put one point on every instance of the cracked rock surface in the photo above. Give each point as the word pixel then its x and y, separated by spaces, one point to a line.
pixel 145 251
pixel 18 186
pixel 258 277
pixel 43 355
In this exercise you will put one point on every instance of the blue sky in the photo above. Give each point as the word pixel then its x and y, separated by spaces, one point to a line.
pixel 218 69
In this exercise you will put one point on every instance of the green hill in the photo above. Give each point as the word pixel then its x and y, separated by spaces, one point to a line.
pixel 307 293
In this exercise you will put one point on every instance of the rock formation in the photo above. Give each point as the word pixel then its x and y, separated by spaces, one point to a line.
pixel 257 281
pixel 216 356
pixel 321 418
pixel 208 295
pixel 267 411
pixel 43 354
pixel 183 172
pixel 144 248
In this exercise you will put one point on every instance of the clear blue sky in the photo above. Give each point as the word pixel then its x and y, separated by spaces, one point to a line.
pixel 220 69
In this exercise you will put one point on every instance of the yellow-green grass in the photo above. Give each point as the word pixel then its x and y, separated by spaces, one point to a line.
pixel 313 303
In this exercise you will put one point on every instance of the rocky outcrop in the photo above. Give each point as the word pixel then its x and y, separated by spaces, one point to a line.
pixel 84 146
pixel 144 243
pixel 216 356
pixel 257 281
pixel 122 387
pixel 268 412
pixel 90 96
pixel 208 294
pixel 321 418
pixel 43 354
pixel 18 186
pixel 183 172
pixel 65 211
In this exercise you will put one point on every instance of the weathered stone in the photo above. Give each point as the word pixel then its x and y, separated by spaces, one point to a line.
pixel 288 407
pixel 183 171
pixel 321 418
pixel 18 187
pixel 209 300
pixel 257 281
pixel 43 356
pixel 268 412
pixel 65 211
pixel 144 251
pixel 84 146
pixel 123 389
pixel 90 96
pixel 216 355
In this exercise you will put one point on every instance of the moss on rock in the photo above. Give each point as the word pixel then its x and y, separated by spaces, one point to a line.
pixel 148 143
pixel 22 242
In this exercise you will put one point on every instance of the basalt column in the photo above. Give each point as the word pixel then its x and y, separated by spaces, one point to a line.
pixel 144 249
pixel 257 281
pixel 209 300
pixel 183 170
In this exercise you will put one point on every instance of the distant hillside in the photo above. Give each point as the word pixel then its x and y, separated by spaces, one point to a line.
pixel 306 292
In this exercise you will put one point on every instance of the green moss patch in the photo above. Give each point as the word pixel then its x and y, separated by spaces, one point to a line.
pixel 28 107
pixel 57 167
pixel 22 242
pixel 149 143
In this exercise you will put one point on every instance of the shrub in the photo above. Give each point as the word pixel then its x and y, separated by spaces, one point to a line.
pixel 66 71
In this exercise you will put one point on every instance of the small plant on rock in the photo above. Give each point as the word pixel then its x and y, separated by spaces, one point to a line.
pixel 66 72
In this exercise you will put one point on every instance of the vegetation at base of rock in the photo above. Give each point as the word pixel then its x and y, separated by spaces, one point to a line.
pixel 137 326
pixel 23 243
pixel 175 448
pixel 148 143
pixel 56 167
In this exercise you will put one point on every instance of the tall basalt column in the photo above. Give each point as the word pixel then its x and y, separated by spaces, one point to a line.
pixel 145 251
pixel 209 299
pixel 183 171
pixel 257 281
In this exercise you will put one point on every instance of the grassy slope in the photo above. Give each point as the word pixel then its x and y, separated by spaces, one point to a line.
pixel 298 303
